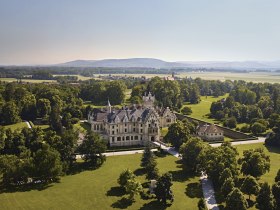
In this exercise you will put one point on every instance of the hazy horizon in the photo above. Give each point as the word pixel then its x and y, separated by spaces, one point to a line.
pixel 51 32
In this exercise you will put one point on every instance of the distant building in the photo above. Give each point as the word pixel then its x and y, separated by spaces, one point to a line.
pixel 131 125
pixel 210 132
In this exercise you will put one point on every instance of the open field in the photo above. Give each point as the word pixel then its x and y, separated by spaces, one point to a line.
pixel 27 80
pixel 270 77
pixel 98 189
pixel 16 126
pixel 200 110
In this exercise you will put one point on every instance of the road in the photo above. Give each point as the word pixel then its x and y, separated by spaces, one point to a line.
pixel 259 140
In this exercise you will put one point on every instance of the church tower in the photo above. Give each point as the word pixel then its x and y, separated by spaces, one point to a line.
pixel 148 100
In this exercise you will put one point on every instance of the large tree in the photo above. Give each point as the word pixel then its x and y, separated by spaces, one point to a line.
pixel 276 194
pixel 236 200
pixel 163 190
pixel 177 134
pixel 250 186
pixel 255 162
pixel 47 164
pixel 10 113
pixel 92 148
pixel 191 153
pixel 264 199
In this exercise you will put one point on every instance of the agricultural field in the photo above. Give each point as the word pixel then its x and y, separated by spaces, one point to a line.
pixel 27 80
pixel 270 77
pixel 98 189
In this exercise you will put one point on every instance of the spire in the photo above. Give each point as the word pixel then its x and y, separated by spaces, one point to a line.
pixel 109 107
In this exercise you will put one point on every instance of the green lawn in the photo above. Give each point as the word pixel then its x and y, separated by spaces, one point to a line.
pixel 200 110
pixel 268 177
pixel 98 189
pixel 82 127
pixel 274 154
pixel 16 126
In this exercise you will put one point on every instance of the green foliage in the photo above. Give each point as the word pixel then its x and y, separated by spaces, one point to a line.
pixel 276 194
pixel 133 188
pixel 250 186
pixel 186 110
pixel 227 187
pixel 191 152
pixel 230 122
pixel 254 162
pixel 92 148
pixel 163 190
pixel 201 204
pixel 10 113
pixel 258 128
pixel 215 160
pixel 277 178
pixel 177 134
pixel 124 177
pixel 236 200
pixel 48 164
pixel 264 199
pixel 226 174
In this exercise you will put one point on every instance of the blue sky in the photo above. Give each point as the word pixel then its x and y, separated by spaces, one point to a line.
pixel 54 31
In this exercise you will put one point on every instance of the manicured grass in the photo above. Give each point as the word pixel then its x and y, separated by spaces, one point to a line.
pixel 274 154
pixel 82 127
pixel 16 126
pixel 98 189
pixel 200 110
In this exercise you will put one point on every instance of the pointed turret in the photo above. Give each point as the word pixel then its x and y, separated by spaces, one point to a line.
pixel 109 107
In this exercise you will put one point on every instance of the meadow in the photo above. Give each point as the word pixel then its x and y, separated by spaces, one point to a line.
pixel 98 189
pixel 202 109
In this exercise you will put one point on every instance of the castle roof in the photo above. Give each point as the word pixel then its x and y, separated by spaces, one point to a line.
pixel 122 115
pixel 209 129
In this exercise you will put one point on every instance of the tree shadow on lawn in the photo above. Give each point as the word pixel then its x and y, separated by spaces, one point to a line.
pixel 139 172
pixel 122 203
pixel 193 190
pixel 181 176
pixel 116 191
pixel 24 188
pixel 154 205
pixel 273 149
pixel 79 167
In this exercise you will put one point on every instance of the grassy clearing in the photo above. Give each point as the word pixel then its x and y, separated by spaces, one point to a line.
pixel 19 125
pixel 200 110
pixel 82 127
pixel 98 189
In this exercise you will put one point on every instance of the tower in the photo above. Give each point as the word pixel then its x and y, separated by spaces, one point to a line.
pixel 109 107
pixel 148 100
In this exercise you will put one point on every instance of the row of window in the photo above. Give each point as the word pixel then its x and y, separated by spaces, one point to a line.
pixel 126 138
pixel 125 131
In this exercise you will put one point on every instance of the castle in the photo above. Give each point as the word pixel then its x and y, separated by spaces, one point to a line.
pixel 131 126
